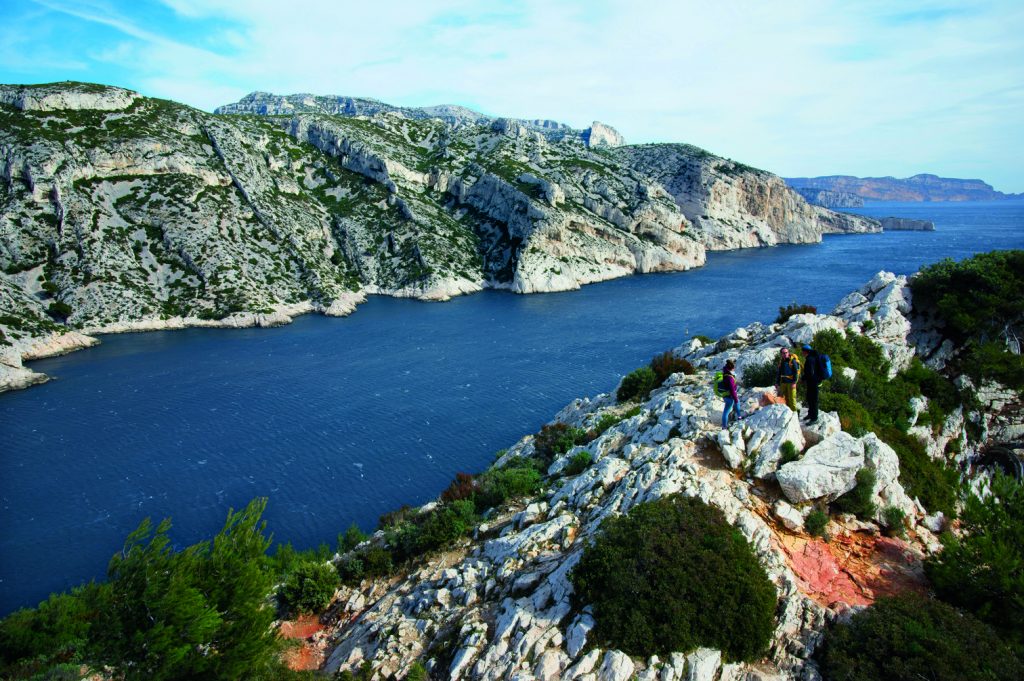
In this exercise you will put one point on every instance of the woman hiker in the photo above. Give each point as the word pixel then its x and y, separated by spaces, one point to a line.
pixel 732 400
pixel 786 377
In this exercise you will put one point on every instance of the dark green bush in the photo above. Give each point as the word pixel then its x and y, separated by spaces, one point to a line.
pixel 760 375
pixel 789 453
pixel 983 571
pixel 637 385
pixel 853 418
pixel 554 440
pixel 310 586
pixel 445 524
pixel 666 364
pixel 893 518
pixel 991 360
pixel 579 463
pixel 706 340
pixel 923 477
pixel 519 478
pixel 816 522
pixel 417 672
pixel 912 637
pixel 352 538
pixel 673 575
pixel 59 310
pixel 858 500
pixel 793 308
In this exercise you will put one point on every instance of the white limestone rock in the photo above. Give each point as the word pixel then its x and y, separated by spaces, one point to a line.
pixel 827 470
pixel 789 516
pixel 770 427
pixel 702 664
pixel 616 666
pixel 882 459
pixel 827 425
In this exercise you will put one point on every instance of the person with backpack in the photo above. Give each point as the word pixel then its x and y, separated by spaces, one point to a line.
pixel 787 375
pixel 727 388
pixel 817 368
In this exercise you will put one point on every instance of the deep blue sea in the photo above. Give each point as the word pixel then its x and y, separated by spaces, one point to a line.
pixel 340 420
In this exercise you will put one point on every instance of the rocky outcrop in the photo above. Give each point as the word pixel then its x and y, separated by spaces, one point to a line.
pixel 907 224
pixel 829 199
pixel 735 206
pixel 601 135
pixel 499 605
pixel 922 187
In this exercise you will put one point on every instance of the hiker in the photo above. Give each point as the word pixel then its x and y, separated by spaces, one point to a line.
pixel 786 377
pixel 732 400
pixel 813 376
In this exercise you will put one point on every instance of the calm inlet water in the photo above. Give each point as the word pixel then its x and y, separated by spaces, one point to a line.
pixel 340 420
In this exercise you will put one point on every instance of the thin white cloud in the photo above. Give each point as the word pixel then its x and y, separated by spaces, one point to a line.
pixel 798 87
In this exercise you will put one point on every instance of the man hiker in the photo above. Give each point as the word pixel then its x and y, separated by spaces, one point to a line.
pixel 786 377
pixel 813 376
pixel 732 400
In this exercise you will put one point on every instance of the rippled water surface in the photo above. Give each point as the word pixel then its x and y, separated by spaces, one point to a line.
pixel 340 420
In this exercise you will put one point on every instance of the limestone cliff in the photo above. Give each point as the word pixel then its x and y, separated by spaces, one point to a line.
pixel 829 199
pixel 921 187
pixel 732 205
pixel 120 212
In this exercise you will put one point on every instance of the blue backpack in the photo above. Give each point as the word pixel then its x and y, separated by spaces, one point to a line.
pixel 825 366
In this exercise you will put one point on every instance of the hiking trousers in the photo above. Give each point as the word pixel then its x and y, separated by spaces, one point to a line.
pixel 788 390
pixel 730 405
pixel 812 401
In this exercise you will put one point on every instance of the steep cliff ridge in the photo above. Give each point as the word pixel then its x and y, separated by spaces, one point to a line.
pixel 922 187
pixel 732 205
pixel 120 212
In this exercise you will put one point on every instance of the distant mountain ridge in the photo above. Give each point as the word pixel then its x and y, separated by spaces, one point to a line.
pixel 921 187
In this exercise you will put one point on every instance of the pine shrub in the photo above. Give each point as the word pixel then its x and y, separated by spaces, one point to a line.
pixel 858 500
pixel 793 308
pixel 579 463
pixel 310 586
pixel 912 637
pixel 816 522
pixel 637 385
pixel 666 364
pixel 673 575
pixel 789 453
pixel 760 375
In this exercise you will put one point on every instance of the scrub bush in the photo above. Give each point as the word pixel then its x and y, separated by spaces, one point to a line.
pixel 673 575
pixel 912 637
pixel 893 518
pixel 760 375
pixel 310 587
pixel 637 385
pixel 789 453
pixel 933 483
pixel 793 308
pixel 858 500
pixel 816 522
pixel 554 440
pixel 519 478
pixel 666 364
pixel 579 463
pixel 983 571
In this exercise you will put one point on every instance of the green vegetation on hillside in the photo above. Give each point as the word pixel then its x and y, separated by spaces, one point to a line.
pixel 673 575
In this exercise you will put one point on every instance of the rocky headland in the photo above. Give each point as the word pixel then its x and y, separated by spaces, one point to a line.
pixel 499 605
pixel 921 187
pixel 829 199
pixel 123 213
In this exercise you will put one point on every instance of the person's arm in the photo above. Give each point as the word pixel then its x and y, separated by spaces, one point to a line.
pixel 732 389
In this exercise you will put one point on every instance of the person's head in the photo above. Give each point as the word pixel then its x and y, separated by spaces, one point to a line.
pixel 730 365
pixel 806 348
pixel 784 353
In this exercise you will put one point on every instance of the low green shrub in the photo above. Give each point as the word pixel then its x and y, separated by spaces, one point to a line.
pixel 789 453
pixel 310 586
pixel 554 440
pixel 352 538
pixel 579 463
pixel 519 478
pixel 793 308
pixel 706 340
pixel 637 385
pixel 853 417
pixel 816 522
pixel 858 500
pixel 983 571
pixel 912 637
pixel 760 375
pixel 417 672
pixel 673 575
pixel 992 361
pixel 933 483
pixel 894 518
pixel 666 364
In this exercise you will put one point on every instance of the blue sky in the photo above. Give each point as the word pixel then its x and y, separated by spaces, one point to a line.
pixel 796 87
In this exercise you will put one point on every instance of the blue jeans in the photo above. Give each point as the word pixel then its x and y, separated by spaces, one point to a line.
pixel 730 404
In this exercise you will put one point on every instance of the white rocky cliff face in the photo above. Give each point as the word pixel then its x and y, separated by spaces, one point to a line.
pixel 500 604
pixel 125 213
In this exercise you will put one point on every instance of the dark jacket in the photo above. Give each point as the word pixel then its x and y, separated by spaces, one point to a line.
pixel 788 371
pixel 812 368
